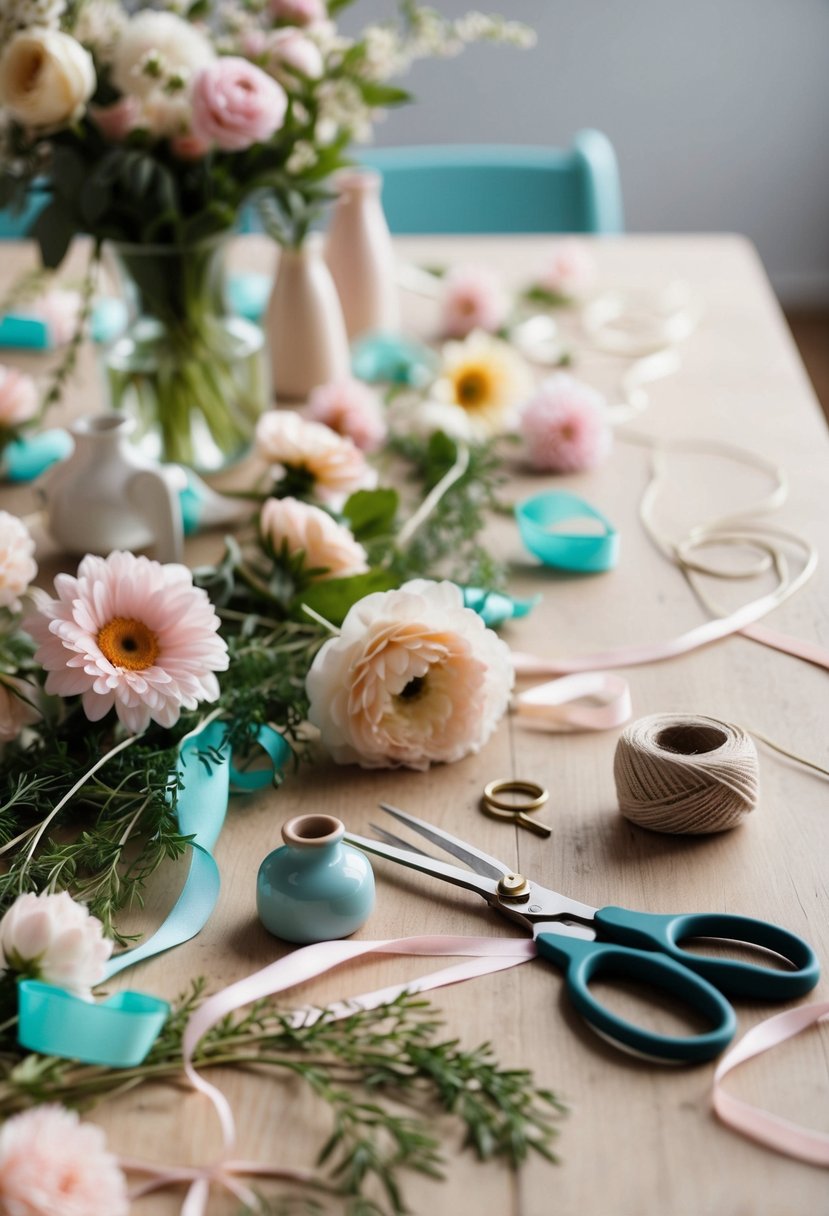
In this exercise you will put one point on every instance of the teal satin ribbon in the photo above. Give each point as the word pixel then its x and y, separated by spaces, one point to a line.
pixel 119 1032
pixel 583 552
pixel 26 458
pixel 496 607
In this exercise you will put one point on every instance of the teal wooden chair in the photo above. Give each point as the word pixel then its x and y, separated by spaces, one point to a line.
pixel 491 189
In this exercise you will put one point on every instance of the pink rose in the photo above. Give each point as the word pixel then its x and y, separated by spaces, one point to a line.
pixel 115 122
pixel 236 104
pixel 290 48
pixel 299 12
pixel 18 397
pixel 473 298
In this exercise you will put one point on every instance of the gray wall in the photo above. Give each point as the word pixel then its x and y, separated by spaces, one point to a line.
pixel 718 109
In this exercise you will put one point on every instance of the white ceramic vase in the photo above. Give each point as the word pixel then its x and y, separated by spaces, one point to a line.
pixel 360 255
pixel 105 495
pixel 305 327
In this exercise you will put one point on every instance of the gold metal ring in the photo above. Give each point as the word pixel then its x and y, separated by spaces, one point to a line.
pixel 537 796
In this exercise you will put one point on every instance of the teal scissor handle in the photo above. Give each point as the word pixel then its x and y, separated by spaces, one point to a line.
pixel 583 961
pixel 652 931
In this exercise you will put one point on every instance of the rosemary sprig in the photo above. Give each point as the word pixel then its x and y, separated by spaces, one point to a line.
pixel 384 1074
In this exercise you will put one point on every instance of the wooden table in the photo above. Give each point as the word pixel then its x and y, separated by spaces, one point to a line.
pixel 640 1140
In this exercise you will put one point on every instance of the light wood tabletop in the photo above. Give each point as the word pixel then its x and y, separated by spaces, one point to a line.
pixel 639 1139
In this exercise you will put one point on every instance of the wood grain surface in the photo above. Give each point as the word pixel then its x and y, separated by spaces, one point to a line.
pixel 639 1140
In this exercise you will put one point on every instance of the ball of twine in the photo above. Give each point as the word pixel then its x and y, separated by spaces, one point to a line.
pixel 684 773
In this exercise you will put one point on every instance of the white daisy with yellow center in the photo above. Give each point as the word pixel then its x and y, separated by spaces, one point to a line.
pixel 487 379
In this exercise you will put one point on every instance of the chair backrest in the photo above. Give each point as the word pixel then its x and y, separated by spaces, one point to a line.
pixel 446 189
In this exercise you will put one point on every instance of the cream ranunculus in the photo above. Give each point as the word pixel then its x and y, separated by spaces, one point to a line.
pixel 46 78
pixel 330 549
pixel 413 678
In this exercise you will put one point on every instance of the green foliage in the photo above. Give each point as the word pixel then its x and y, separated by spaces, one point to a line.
pixel 384 1075
pixel 371 513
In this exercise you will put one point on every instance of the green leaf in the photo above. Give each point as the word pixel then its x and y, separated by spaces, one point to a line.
pixel 371 512
pixel 441 454
pixel 53 230
pixel 375 94
pixel 542 295
pixel 333 597
pixel 94 199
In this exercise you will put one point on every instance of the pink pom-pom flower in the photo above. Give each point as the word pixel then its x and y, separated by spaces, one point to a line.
pixel 350 408
pixel 570 271
pixel 565 426
pixel 473 298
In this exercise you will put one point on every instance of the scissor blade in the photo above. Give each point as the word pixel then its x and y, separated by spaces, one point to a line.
pixel 481 863
pixel 481 885
pixel 399 842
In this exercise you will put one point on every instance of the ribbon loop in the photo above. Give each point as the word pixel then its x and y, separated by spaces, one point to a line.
pixel 583 552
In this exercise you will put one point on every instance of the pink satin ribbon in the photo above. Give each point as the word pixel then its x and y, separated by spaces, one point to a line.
pixel 485 955
pixel 760 1125
pixel 591 700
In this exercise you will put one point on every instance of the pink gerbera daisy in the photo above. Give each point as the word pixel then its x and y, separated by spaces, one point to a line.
pixel 565 426
pixel 133 634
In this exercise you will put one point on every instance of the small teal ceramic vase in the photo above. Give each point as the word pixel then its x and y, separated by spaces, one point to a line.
pixel 315 888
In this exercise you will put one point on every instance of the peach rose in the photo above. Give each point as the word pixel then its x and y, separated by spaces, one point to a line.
pixel 236 105
pixel 46 78
pixel 334 465
pixel 413 678
pixel 330 549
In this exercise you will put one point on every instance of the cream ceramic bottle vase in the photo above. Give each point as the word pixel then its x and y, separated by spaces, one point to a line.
pixel 106 495
pixel 360 256
pixel 306 332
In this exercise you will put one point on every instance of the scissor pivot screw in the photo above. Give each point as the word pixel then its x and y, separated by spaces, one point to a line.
pixel 513 886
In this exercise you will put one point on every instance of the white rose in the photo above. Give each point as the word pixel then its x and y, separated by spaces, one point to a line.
pixel 155 48
pixel 54 939
pixel 413 678
pixel 46 78
pixel 302 528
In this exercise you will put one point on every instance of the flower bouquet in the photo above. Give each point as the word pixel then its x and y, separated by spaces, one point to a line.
pixel 153 129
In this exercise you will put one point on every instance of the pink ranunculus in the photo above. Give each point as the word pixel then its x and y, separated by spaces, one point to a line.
pixel 236 104
pixel 17 564
pixel 116 121
pixel 565 426
pixel 51 1164
pixel 132 634
pixel 570 269
pixel 413 678
pixel 299 12
pixel 53 938
pixel 189 147
pixel 350 408
pixel 18 397
pixel 473 298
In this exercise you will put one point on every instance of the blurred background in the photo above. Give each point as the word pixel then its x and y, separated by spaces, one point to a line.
pixel 718 111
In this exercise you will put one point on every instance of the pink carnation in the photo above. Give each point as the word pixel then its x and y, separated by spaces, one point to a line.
pixel 350 408
pixel 571 269
pixel 565 426
pixel 473 298
pixel 51 1164
pixel 18 397
pixel 236 104
pixel 299 12
pixel 133 634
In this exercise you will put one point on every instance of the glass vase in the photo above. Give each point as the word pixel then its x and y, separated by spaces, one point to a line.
pixel 192 375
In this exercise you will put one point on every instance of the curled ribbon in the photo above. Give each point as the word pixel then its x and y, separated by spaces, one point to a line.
pixel 585 701
pixel 586 552
pixel 770 1130
pixel 485 955
pixel 119 1032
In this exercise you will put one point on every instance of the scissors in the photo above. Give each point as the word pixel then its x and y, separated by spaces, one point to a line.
pixel 642 946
